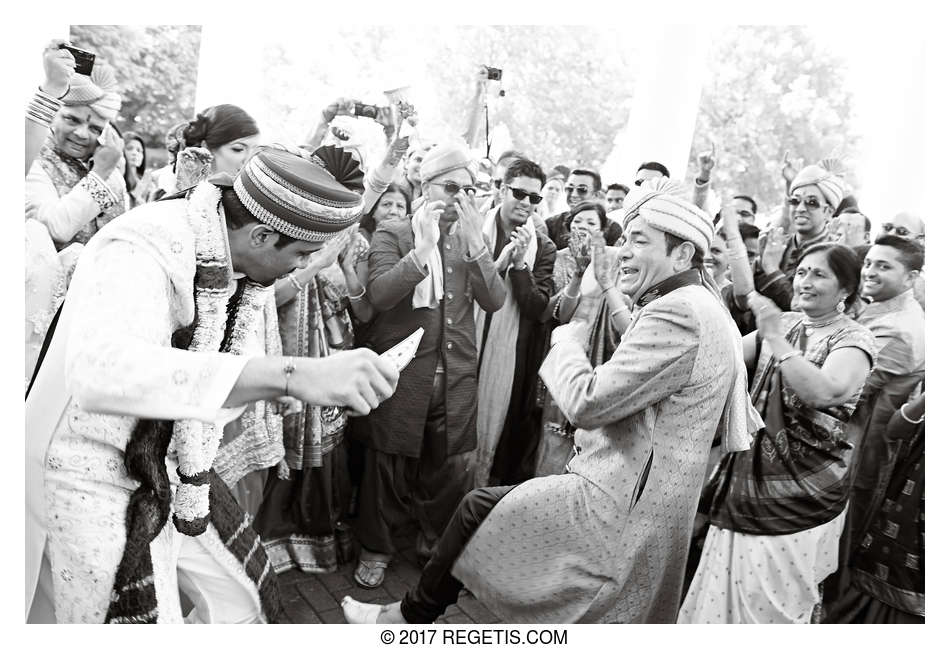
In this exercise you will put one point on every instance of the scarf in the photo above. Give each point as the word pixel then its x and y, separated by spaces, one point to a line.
pixel 314 324
pixel 221 323
pixel 497 357
pixel 66 172
pixel 428 293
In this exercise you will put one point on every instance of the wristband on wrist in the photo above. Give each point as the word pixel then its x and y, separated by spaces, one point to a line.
pixel 294 282
pixel 787 355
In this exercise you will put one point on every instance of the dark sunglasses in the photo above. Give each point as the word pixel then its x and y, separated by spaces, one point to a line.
pixel 581 190
pixel 520 194
pixel 900 230
pixel 638 182
pixel 746 214
pixel 453 188
pixel 811 202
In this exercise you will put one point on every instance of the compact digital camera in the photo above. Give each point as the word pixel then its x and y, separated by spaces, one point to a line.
pixel 494 74
pixel 84 60
pixel 365 110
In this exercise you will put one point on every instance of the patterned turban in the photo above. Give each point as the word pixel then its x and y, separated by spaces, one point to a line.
pixel 827 177
pixel 302 197
pixel 97 91
pixel 661 205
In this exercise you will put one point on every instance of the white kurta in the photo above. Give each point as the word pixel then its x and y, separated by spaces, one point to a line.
pixel 110 362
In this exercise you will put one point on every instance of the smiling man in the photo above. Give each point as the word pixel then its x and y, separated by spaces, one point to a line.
pixel 814 196
pixel 607 541
pixel 511 340
pixel 158 347
pixel 75 185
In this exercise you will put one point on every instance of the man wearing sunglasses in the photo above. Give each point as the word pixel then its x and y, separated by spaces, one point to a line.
pixel 582 185
pixel 906 226
pixel 511 341
pixel 813 197
pixel 429 272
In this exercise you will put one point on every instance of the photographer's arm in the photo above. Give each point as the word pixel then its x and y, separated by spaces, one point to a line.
pixel 474 115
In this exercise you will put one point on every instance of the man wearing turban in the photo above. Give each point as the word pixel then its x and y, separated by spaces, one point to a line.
pixel 429 272
pixel 607 541
pixel 814 195
pixel 75 185
pixel 154 353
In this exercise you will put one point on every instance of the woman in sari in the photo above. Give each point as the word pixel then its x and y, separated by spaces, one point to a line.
pixel 576 295
pixel 778 509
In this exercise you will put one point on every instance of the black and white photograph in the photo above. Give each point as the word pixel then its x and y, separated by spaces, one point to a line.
pixel 423 322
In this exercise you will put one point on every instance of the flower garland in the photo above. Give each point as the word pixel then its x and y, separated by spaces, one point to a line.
pixel 216 329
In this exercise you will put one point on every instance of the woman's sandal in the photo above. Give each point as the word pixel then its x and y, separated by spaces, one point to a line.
pixel 371 569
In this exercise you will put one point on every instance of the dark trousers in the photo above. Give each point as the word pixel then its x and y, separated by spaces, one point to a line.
pixel 437 589
pixel 396 489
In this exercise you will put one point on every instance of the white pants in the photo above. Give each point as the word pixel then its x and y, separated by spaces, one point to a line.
pixel 217 596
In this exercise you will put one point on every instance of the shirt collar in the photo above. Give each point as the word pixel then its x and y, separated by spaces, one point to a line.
pixel 689 277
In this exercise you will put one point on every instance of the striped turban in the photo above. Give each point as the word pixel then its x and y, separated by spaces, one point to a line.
pixel 447 157
pixel 298 196
pixel 661 205
pixel 827 178
pixel 97 91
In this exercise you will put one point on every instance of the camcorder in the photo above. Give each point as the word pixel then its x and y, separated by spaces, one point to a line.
pixel 494 74
pixel 84 60
pixel 366 110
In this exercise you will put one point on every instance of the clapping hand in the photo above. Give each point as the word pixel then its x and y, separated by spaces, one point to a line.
pixel 579 245
pixel 768 317
pixel 598 258
pixel 521 237
pixel 350 255
pixel 773 248
pixel 470 221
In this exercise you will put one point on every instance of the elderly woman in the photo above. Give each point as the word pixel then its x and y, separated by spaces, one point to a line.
pixel 778 509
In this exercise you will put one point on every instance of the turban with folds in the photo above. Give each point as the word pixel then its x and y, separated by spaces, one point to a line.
pixel 447 157
pixel 827 177
pixel 661 205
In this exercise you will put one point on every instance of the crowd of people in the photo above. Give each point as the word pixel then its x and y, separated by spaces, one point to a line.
pixel 631 401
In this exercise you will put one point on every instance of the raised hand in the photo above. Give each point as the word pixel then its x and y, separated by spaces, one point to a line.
pixel 521 237
pixel 768 317
pixel 470 220
pixel 706 161
pixel 774 247
pixel 108 153
pixel 429 237
pixel 59 67
pixel 788 169
pixel 598 258
pixel 579 245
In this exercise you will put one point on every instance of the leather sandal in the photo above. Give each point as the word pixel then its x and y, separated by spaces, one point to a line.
pixel 371 569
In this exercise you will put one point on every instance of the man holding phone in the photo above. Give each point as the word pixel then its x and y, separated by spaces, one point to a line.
pixel 75 185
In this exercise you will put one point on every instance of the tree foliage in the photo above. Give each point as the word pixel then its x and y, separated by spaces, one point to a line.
pixel 770 90
pixel 157 68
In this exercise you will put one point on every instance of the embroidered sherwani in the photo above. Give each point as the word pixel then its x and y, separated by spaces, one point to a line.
pixel 607 541
pixel 111 362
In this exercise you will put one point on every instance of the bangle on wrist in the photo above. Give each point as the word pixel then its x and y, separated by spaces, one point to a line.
pixel 354 298
pixel 290 366
pixel 569 296
pixel 787 355
pixel 294 282
pixel 908 419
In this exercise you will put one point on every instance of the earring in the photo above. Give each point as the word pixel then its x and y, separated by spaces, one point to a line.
pixel 840 308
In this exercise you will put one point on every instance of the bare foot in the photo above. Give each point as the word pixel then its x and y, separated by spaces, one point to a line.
pixel 360 613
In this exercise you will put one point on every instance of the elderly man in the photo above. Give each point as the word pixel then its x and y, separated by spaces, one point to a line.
pixel 429 272
pixel 154 353
pixel 511 341
pixel 75 185
pixel 607 540
pixel 906 226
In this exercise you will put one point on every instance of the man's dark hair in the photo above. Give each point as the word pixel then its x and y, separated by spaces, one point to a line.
pixel 238 216
pixel 672 241
pixel 525 167
pixel 623 188
pixel 592 174
pixel 510 153
pixel 655 166
pixel 748 231
pixel 848 204
pixel 911 253
pixel 755 206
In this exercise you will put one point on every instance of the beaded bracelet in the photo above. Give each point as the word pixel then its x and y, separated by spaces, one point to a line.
pixel 43 107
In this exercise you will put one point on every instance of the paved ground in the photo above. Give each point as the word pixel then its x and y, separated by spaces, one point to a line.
pixel 315 599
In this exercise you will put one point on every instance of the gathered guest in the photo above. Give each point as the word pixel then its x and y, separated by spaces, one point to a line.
pixel 498 178
pixel 227 132
pixel 649 170
pixel 428 272
pixel 394 203
pixel 582 185
pixel 75 185
pixel 814 195
pixel 751 271
pixel 896 320
pixel 589 219
pixel 850 228
pixel 746 208
pixel 909 226
pixel 164 301
pixel 59 66
pixel 411 178
pixel 607 540
pixel 553 192
pixel 511 341
pixel 614 196
pixel 778 509
pixel 717 263
pixel 164 178
pixel 138 179
pixel 887 564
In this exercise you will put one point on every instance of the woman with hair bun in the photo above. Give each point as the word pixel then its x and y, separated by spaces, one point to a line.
pixel 227 133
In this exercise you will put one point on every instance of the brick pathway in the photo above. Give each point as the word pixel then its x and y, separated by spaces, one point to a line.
pixel 315 599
